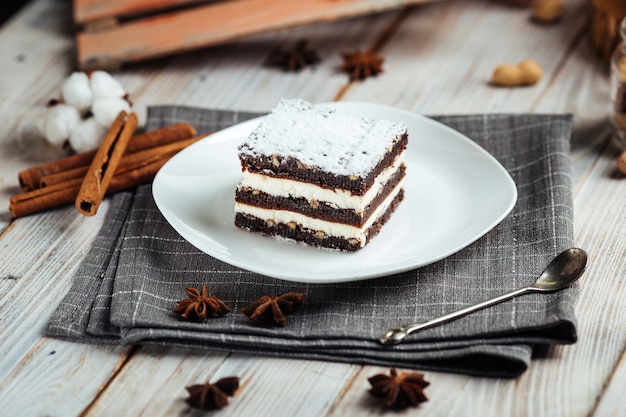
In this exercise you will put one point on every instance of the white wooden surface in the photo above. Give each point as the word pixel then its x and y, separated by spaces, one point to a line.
pixel 438 59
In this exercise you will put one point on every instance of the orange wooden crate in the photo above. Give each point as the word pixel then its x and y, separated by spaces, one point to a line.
pixel 114 32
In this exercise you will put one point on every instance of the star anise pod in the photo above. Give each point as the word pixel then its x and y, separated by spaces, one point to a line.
pixel 200 305
pixel 294 60
pixel 272 310
pixel 399 389
pixel 360 65
pixel 212 396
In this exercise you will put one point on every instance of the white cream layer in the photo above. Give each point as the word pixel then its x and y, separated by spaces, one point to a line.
pixel 329 228
pixel 336 198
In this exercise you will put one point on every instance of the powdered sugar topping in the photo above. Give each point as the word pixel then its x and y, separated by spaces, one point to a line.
pixel 337 142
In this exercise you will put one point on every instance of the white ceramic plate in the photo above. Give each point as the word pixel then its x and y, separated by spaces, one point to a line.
pixel 455 192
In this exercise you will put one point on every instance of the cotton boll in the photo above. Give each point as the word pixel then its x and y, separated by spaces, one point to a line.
pixel 76 91
pixel 106 110
pixel 59 122
pixel 26 136
pixel 103 85
pixel 88 135
pixel 28 131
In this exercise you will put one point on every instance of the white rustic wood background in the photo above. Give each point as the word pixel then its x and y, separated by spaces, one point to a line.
pixel 438 59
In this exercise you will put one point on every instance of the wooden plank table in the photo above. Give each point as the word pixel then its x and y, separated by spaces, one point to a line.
pixel 106 42
pixel 438 59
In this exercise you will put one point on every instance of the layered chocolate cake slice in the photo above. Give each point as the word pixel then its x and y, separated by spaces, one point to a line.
pixel 320 176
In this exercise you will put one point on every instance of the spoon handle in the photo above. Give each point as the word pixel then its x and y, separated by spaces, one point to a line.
pixel 410 328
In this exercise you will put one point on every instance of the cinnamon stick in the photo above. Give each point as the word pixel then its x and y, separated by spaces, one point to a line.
pixel 162 136
pixel 30 179
pixel 42 199
pixel 125 178
pixel 127 159
pixel 104 163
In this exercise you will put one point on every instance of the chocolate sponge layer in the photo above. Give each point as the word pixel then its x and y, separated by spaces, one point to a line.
pixel 318 209
pixel 291 168
pixel 313 237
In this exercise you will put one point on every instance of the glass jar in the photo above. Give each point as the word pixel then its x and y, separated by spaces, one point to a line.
pixel 618 87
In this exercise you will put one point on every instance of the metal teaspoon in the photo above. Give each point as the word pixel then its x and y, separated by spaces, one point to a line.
pixel 562 272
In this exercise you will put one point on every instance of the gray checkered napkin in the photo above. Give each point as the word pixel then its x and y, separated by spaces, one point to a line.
pixel 138 268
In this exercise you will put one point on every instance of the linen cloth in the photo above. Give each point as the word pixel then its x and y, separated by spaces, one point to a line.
pixel 138 268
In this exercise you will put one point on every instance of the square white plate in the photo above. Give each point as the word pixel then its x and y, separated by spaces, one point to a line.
pixel 455 192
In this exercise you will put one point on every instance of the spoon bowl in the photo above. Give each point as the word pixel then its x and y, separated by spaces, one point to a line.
pixel 563 271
